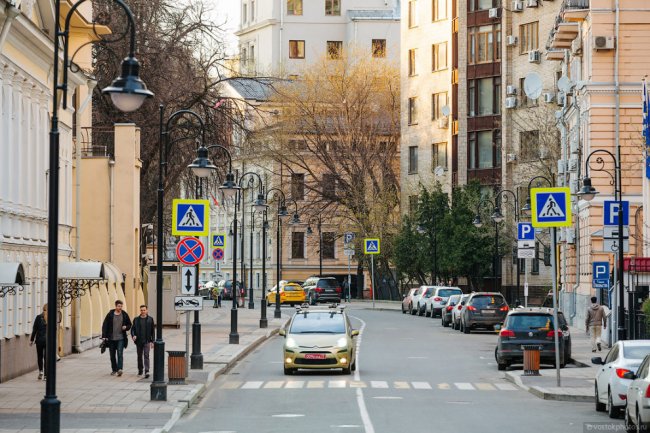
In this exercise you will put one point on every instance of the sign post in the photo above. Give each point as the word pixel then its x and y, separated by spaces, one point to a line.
pixel 551 207
pixel 525 250
pixel 372 246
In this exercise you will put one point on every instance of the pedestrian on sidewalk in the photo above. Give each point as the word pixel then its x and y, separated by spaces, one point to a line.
pixel 39 335
pixel 142 334
pixel 114 328
pixel 595 323
pixel 215 297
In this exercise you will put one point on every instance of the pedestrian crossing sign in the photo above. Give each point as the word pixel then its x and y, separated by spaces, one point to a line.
pixel 218 240
pixel 190 217
pixel 551 207
pixel 371 246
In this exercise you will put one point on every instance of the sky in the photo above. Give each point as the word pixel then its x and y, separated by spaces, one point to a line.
pixel 227 11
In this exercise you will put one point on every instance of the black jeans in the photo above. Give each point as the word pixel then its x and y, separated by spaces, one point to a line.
pixel 116 350
pixel 40 353
pixel 143 352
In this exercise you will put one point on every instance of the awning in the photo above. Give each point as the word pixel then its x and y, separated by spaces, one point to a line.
pixel 12 276
pixel 77 277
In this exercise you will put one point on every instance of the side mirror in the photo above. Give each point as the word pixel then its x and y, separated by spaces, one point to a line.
pixel 497 327
pixel 629 375
pixel 462 303
pixel 354 333
pixel 597 360
pixel 282 332
pixel 403 295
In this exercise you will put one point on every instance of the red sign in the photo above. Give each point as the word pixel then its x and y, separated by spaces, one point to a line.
pixel 190 251
pixel 217 254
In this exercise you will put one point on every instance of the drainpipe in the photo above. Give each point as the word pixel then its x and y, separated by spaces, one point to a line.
pixel 11 11
pixel 77 309
pixel 281 28
pixel 111 176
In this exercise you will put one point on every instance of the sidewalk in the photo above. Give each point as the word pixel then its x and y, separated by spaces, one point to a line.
pixel 94 401
pixel 577 379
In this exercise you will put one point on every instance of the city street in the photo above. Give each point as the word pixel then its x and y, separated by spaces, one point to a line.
pixel 413 375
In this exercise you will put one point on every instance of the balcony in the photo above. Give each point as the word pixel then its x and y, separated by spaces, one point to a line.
pixel 575 10
pixel 576 4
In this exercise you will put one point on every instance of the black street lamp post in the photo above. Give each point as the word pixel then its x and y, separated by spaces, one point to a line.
pixel 588 192
pixel 127 92
pixel 319 226
pixel 281 213
pixel 251 302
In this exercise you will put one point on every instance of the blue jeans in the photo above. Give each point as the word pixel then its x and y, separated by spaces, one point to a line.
pixel 116 347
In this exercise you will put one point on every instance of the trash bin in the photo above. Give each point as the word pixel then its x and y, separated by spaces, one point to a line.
pixel 176 367
pixel 531 360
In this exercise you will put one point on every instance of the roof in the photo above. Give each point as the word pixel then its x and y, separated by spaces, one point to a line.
pixel 12 273
pixel 258 89
pixel 81 270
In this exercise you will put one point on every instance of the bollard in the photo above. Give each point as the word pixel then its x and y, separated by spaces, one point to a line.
pixel 531 360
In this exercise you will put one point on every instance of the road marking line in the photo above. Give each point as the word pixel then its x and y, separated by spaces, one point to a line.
pixel 274 384
pixel 444 386
pixel 388 397
pixel 379 384
pixel 288 415
pixel 417 357
pixel 421 385
pixel 485 386
pixel 252 385
pixel 357 384
pixel 505 386
pixel 337 384
pixel 464 386
pixel 401 385
pixel 294 384
pixel 316 384
pixel 232 384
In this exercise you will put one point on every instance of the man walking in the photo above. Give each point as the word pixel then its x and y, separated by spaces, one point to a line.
pixel 595 322
pixel 114 328
pixel 142 334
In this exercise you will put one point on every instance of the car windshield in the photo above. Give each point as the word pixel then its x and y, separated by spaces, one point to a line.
pixel 428 293
pixel 527 322
pixel 327 283
pixel 454 299
pixel 291 288
pixel 445 293
pixel 635 352
pixel 486 301
pixel 318 323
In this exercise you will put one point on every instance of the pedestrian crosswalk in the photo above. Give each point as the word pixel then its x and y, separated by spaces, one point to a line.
pixel 373 384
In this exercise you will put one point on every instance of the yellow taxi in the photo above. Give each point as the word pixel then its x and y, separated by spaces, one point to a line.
pixel 319 338
pixel 290 293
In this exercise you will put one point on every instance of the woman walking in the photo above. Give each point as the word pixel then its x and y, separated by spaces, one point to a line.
pixel 39 336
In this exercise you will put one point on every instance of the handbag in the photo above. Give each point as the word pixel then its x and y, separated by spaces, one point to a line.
pixel 103 346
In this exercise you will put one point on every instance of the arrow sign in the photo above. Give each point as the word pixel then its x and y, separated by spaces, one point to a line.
pixel 189 275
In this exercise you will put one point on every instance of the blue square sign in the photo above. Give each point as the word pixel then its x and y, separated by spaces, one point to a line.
pixel 525 232
pixel 610 212
pixel 600 277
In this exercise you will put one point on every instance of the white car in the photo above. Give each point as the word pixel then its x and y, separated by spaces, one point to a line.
pixel 436 302
pixel 458 309
pixel 612 382
pixel 420 298
pixel 637 410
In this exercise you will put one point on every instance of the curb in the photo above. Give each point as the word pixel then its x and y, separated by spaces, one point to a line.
pixel 544 394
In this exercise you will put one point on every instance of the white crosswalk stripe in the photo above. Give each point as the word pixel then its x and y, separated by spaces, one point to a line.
pixel 376 384
pixel 465 386
pixel 379 384
pixel 421 385
pixel 252 385
pixel 506 386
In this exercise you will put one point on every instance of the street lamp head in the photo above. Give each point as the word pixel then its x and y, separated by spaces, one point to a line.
pixel 230 232
pixel 128 91
pixel 295 219
pixel 497 216
pixel 260 204
pixel 282 213
pixel 309 231
pixel 420 229
pixel 587 192
pixel 526 209
pixel 202 166
pixel 477 221
pixel 229 187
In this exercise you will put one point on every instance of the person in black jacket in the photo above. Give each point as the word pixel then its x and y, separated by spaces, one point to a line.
pixel 142 334
pixel 114 328
pixel 39 334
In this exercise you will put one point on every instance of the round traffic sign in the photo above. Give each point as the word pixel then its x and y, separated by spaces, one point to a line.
pixel 217 253
pixel 190 251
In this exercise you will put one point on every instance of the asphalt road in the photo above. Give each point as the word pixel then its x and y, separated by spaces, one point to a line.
pixel 413 376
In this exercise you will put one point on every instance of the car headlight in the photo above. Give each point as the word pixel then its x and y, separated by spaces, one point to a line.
pixel 342 343
pixel 291 343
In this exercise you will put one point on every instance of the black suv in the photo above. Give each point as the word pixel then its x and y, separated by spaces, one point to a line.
pixel 483 310
pixel 532 326
pixel 322 289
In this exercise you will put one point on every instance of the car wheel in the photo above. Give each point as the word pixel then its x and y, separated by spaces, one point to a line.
pixel 403 310
pixel 612 410
pixel 445 323
pixel 427 313
pixel 466 329
pixel 600 407
pixel 629 425
pixel 640 425
pixel 354 365
pixel 411 309
pixel 311 300
pixel 347 370
pixel 288 371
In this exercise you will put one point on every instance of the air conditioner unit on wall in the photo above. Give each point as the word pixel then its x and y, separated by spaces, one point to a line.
pixel 561 99
pixel 531 3
pixel 511 90
pixel 604 42
pixel 534 56
pixel 511 40
pixel 511 102
pixel 548 97
pixel 443 122
pixel 511 157
pixel 517 6
pixel 493 13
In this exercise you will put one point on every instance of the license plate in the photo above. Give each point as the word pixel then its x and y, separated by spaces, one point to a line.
pixel 314 356
pixel 488 311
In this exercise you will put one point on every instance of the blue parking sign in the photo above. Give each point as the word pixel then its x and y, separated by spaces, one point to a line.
pixel 610 212
pixel 525 232
pixel 600 275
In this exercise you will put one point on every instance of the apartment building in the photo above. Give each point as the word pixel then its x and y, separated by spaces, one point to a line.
pixel 280 37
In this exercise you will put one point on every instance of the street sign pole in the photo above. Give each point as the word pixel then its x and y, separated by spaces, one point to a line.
pixel 372 278
pixel 526 282
pixel 347 298
pixel 187 343
pixel 555 321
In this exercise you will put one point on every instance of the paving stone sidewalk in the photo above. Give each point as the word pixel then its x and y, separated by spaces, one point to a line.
pixel 94 401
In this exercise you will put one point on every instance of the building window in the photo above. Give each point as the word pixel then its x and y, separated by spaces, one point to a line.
pixel 299 145
pixel 328 185
pixel 477 5
pixel 296 49
pixel 379 48
pixel 244 14
pixel 333 7
pixel 252 10
pixel 535 268
pixel 438 10
pixel 525 100
pixel 413 160
pixel 439 56
pixel 484 44
pixel 243 58
pixel 251 60
pixel 334 49
pixel 413 205
pixel 529 145
pixel 298 186
pixel 413 13
pixel 438 100
pixel 439 156
pixel 298 245
pixel 413 111
pixel 329 245
pixel 528 37
pixel 484 96
pixel 412 55
pixel 484 149
pixel 294 7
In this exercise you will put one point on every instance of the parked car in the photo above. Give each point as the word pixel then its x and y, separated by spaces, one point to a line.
pixel 532 326
pixel 205 290
pixel 407 301
pixel 325 289
pixel 610 385
pixel 483 310
pixel 448 308
pixel 225 288
pixel 435 303
pixel 456 312
pixel 290 293
pixel 420 299
pixel 637 409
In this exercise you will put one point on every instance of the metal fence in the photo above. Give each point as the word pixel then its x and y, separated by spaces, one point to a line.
pixel 637 326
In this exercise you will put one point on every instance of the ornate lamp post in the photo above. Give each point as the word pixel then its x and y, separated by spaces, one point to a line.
pixel 319 226
pixel 281 213
pixel 127 92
